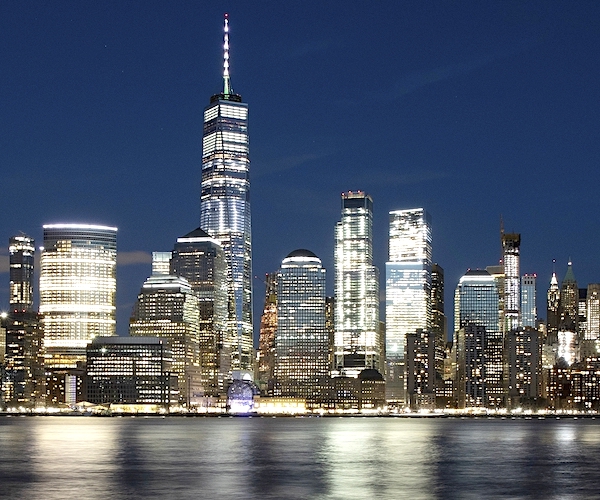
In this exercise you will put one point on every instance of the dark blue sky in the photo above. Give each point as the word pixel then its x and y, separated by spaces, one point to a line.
pixel 471 110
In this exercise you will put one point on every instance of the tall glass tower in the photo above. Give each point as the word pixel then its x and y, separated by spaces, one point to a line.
pixel 477 316
pixel 511 243
pixel 357 342
pixel 78 287
pixel 225 204
pixel 528 299
pixel 199 259
pixel 23 381
pixel 21 249
pixel 407 289
pixel 301 341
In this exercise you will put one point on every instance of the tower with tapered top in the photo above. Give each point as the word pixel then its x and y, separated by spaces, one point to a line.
pixel 225 204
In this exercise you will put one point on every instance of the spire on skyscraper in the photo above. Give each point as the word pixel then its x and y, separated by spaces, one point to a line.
pixel 226 80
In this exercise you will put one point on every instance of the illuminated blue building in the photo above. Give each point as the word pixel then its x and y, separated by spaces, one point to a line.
pixel 225 204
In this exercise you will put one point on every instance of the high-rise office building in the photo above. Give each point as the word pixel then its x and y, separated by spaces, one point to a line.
pixel 408 290
pixel 476 303
pixel 161 263
pixel 168 308
pixel 438 324
pixel 471 365
pixel 23 381
pixel 200 260
pixel 420 369
pixel 21 251
pixel 553 308
pixel 266 339
pixel 569 300
pixel 77 290
pixel 511 243
pixel 524 359
pixel 225 204
pixel 592 330
pixel 356 338
pixel 301 342
pixel 134 372
pixel 528 299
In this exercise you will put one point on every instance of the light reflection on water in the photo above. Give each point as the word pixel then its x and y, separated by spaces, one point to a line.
pixel 291 458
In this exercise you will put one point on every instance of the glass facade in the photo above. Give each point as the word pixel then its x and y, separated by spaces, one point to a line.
pixel 407 290
pixel 225 205
pixel 592 331
pixel 408 278
pixel 129 370
pixel 200 260
pixel 77 289
pixel 21 250
pixel 511 243
pixel 528 299
pixel 301 343
pixel 168 308
pixel 476 302
pixel 23 381
pixel 357 343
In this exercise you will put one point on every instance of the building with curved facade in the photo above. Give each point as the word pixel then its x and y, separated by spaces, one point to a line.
pixel 78 285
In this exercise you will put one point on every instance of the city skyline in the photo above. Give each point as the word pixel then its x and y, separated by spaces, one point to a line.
pixel 460 108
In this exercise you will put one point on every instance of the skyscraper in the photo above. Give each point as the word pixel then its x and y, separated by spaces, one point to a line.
pixel 168 308
pixel 200 259
pixel 356 339
pixel 553 308
pixel 77 289
pixel 266 340
pixel 569 300
pixel 471 365
pixel 408 289
pixel 524 359
pixel 23 383
pixel 439 325
pixel 592 331
pixel 225 203
pixel 511 243
pixel 420 369
pixel 301 342
pixel 528 299
pixel 476 305
pixel 21 251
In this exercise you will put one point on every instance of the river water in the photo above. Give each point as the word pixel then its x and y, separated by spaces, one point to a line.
pixel 298 458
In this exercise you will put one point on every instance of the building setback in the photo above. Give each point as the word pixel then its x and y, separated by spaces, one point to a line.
pixel 168 308
pixel 225 205
pixel 407 290
pixel 357 343
pixel 200 260
pixel 23 383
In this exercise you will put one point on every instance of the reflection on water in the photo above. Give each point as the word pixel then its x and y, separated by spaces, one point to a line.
pixel 297 458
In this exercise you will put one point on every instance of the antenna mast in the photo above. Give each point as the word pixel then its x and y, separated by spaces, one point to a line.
pixel 226 81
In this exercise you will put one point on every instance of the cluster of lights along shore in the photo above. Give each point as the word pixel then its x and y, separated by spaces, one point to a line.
pixel 190 344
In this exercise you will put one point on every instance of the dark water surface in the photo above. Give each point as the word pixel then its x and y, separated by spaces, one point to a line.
pixel 298 458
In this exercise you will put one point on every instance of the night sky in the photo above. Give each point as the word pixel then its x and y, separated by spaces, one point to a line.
pixel 472 110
